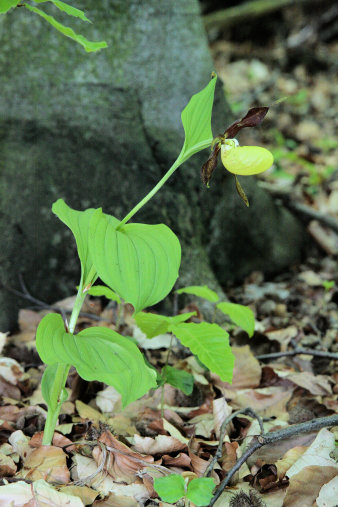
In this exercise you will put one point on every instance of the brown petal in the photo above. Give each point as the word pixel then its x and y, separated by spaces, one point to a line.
pixel 253 117
pixel 241 192
pixel 210 165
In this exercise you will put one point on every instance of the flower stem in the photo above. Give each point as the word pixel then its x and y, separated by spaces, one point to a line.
pixel 61 377
pixel 151 194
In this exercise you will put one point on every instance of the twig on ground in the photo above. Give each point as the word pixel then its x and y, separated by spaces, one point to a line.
pixel 41 304
pixel 274 436
pixel 243 411
pixel 300 208
pixel 298 351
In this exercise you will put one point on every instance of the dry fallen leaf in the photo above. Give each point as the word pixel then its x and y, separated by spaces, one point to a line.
pixel 162 444
pixel 122 463
pixel 328 494
pixel 306 484
pixel 48 463
pixel 39 493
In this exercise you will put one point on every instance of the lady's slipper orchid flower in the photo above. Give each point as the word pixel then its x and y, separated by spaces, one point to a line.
pixel 239 160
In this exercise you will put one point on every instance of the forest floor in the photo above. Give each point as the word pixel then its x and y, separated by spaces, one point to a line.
pixel 286 373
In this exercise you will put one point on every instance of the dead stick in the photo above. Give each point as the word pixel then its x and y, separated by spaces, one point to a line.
pixel 225 18
pixel 244 411
pixel 306 352
pixel 269 438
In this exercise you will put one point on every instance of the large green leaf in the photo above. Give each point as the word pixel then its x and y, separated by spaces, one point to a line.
pixel 89 46
pixel 78 222
pixel 153 325
pixel 201 291
pixel 50 391
pixel 180 379
pixel 170 488
pixel 97 353
pixel 5 5
pixel 210 343
pixel 140 262
pixel 240 315
pixel 200 491
pixel 102 290
pixel 68 9
pixel 196 119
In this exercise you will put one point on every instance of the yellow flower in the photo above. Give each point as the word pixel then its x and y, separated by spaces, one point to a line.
pixel 245 160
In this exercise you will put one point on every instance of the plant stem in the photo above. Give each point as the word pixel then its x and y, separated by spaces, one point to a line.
pixel 166 363
pixel 156 188
pixel 61 376
pixel 53 412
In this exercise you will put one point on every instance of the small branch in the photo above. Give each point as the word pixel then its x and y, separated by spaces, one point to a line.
pixel 41 304
pixel 269 438
pixel 233 16
pixel 300 208
pixel 244 411
pixel 298 351
pixel 311 213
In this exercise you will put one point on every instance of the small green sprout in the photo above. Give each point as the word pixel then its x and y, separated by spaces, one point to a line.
pixel 328 285
pixel 172 488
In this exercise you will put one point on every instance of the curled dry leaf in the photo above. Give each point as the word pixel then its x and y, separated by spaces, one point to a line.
pixel 122 463
pixel 316 384
pixel 48 463
pixel 39 493
pixel 328 494
pixel 20 444
pixel 87 495
pixel 221 410
pixel 318 454
pixel 162 444
pixel 7 466
pixel 181 460
pixel 114 500
pixel 86 470
pixel 229 455
pixel 306 484
pixel 58 441
pixel 247 372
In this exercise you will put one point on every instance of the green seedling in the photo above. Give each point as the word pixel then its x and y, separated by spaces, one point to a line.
pixel 173 488
pixel 89 46
pixel 328 285
pixel 140 264
pixel 241 315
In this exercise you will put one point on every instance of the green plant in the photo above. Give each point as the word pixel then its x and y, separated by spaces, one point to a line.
pixel 140 264
pixel 241 315
pixel 89 46
pixel 172 488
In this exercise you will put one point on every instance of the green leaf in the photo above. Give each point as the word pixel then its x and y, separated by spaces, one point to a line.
pixel 178 378
pixel 210 343
pixel 102 290
pixel 170 488
pixel 89 46
pixel 201 291
pixel 240 315
pixel 68 9
pixel 5 5
pixel 196 119
pixel 140 262
pixel 78 222
pixel 97 353
pixel 50 395
pixel 153 325
pixel 200 491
